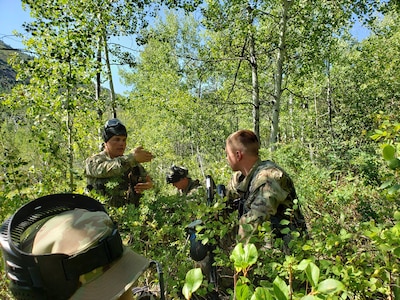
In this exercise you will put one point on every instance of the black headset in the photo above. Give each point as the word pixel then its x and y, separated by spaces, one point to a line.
pixel 113 127
pixel 176 174
pixel 51 276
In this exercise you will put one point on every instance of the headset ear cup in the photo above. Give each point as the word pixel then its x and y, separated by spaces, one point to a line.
pixel 26 293
pixel 25 271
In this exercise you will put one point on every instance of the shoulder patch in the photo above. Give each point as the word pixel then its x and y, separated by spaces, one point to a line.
pixel 263 175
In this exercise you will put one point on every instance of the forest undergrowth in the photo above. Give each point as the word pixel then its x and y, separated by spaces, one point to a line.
pixel 352 252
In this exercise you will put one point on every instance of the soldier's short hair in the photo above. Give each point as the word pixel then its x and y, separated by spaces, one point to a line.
pixel 244 140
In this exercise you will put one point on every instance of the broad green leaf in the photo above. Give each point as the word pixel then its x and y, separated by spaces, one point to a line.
pixel 396 251
pixel 243 280
pixel 376 137
pixel 186 292
pixel 281 289
pixel 284 222
pixel 303 264
pixel 193 280
pixel 388 152
pixel 243 292
pixel 394 163
pixel 285 230
pixel 386 184
pixel 330 286
pixel 243 257
pixel 312 272
pixel 394 189
pixel 261 294
pixel 396 215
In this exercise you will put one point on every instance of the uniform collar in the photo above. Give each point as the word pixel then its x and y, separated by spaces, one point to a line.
pixel 244 181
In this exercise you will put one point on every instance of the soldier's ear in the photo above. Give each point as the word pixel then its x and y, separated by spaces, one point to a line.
pixel 239 155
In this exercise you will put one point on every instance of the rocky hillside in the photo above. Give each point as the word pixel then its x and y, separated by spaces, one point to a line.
pixel 7 73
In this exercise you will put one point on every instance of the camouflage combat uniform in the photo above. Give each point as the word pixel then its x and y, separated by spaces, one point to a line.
pixel 265 195
pixel 115 177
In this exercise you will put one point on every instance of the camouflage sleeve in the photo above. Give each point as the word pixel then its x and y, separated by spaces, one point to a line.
pixel 268 190
pixel 231 191
pixel 101 166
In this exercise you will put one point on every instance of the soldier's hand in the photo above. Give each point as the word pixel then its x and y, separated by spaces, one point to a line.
pixel 142 155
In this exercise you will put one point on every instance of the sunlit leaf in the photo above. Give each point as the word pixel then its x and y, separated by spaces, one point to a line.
pixel 388 152
pixel 303 264
pixel 193 280
pixel 396 251
pixel 312 272
pixel 261 294
pixel 386 184
pixel 244 256
pixel 281 289
pixel 330 286
pixel 243 292
pixel 394 163
pixel 394 189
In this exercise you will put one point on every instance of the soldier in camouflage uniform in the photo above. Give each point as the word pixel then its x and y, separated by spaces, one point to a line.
pixel 179 178
pixel 265 191
pixel 111 173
